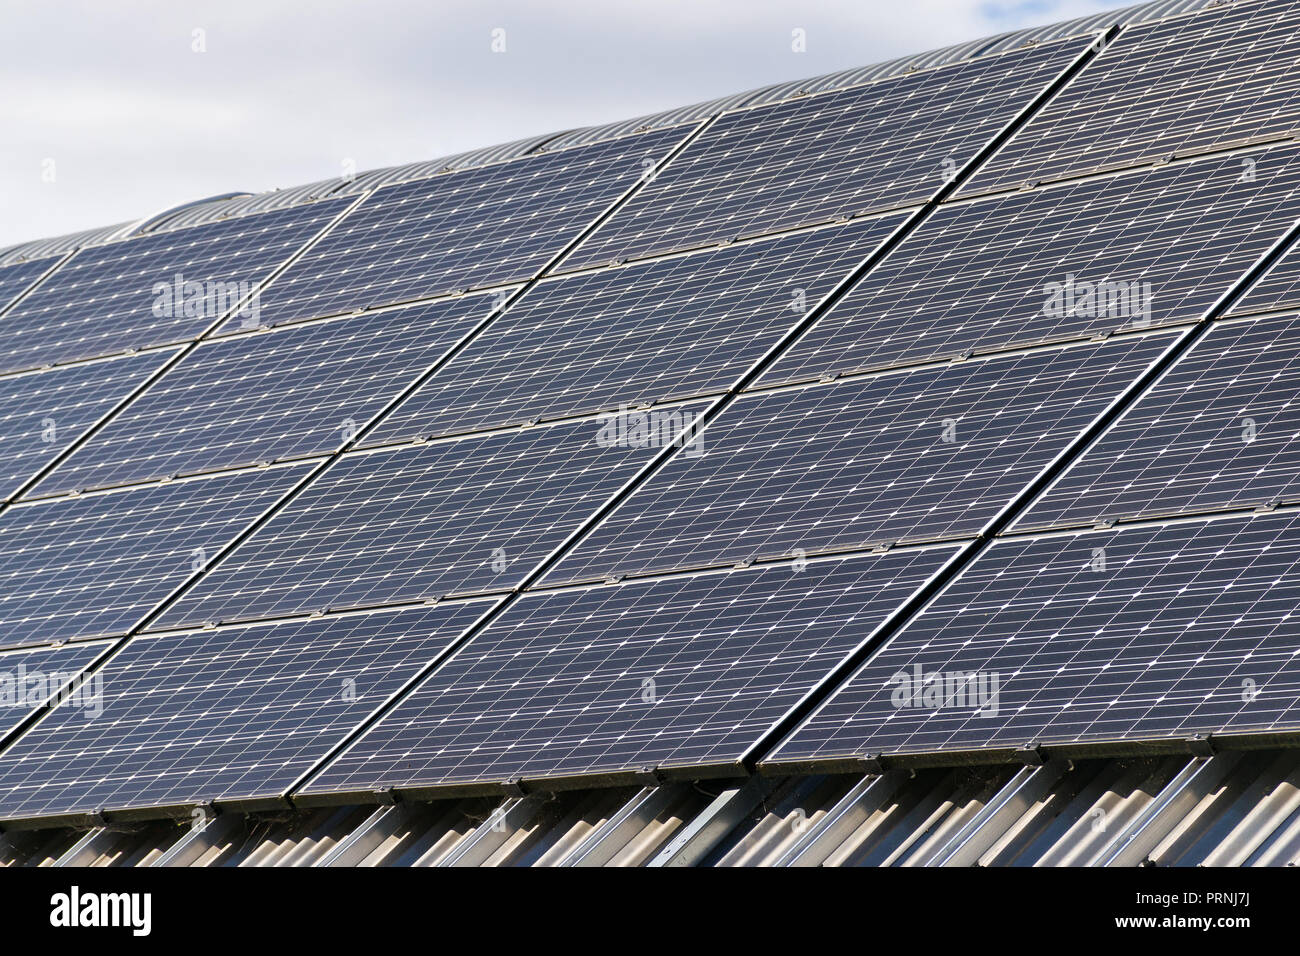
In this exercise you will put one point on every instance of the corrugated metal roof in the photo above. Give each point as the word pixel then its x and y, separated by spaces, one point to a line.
pixel 240 204
pixel 59 246
pixel 1232 809
pixel 429 168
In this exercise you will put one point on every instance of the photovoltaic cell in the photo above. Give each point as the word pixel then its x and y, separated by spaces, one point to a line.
pixel 36 676
pixel 95 565
pixel 492 225
pixel 224 715
pixel 885 145
pixel 121 296
pixel 684 671
pixel 417 522
pixel 1275 290
pixel 666 329
pixel 262 396
pixel 42 413
pixel 992 273
pixel 1149 633
pixel 1221 429
pixel 1221 77
pixel 932 453
pixel 17 278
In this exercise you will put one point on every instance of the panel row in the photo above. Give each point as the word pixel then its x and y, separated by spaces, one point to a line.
pixel 889 144
pixel 266 396
pixel 155 290
pixel 17 278
pixel 1140 250
pixel 493 225
pixel 664 330
pixel 595 680
pixel 1146 634
pixel 932 453
pixel 1081 638
pixel 232 714
pixel 1219 78
pixel 1143 250
pixel 926 454
pixel 96 565
pixel 1219 430
pixel 43 413
pixel 488 226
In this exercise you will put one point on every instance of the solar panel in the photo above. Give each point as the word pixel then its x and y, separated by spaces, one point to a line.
pixel 264 396
pixel 32 678
pixel 683 671
pixel 981 472
pixel 42 413
pixel 1275 290
pixel 885 145
pixel 94 565
pixel 1221 77
pixel 1148 633
pixel 1219 430
pixel 667 329
pixel 1151 248
pixel 17 278
pixel 417 522
pixel 229 715
pixel 927 454
pixel 492 225
pixel 153 290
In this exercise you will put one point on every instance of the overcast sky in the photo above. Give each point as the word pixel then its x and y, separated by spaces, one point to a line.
pixel 115 110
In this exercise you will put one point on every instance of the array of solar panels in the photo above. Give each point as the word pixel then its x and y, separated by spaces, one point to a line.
pixel 954 412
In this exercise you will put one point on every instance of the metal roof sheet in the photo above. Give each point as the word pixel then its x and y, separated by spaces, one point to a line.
pixel 1238 809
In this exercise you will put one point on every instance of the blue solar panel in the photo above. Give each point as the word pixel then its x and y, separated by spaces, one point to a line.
pixel 417 522
pixel 672 328
pixel 1221 429
pixel 230 715
pixel 124 295
pixel 685 671
pixel 265 396
pixel 38 676
pixel 1194 83
pixel 1275 290
pixel 1145 634
pixel 1152 248
pixel 17 278
pixel 487 226
pixel 884 145
pixel 42 413
pixel 95 565
pixel 431 455
pixel 927 454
